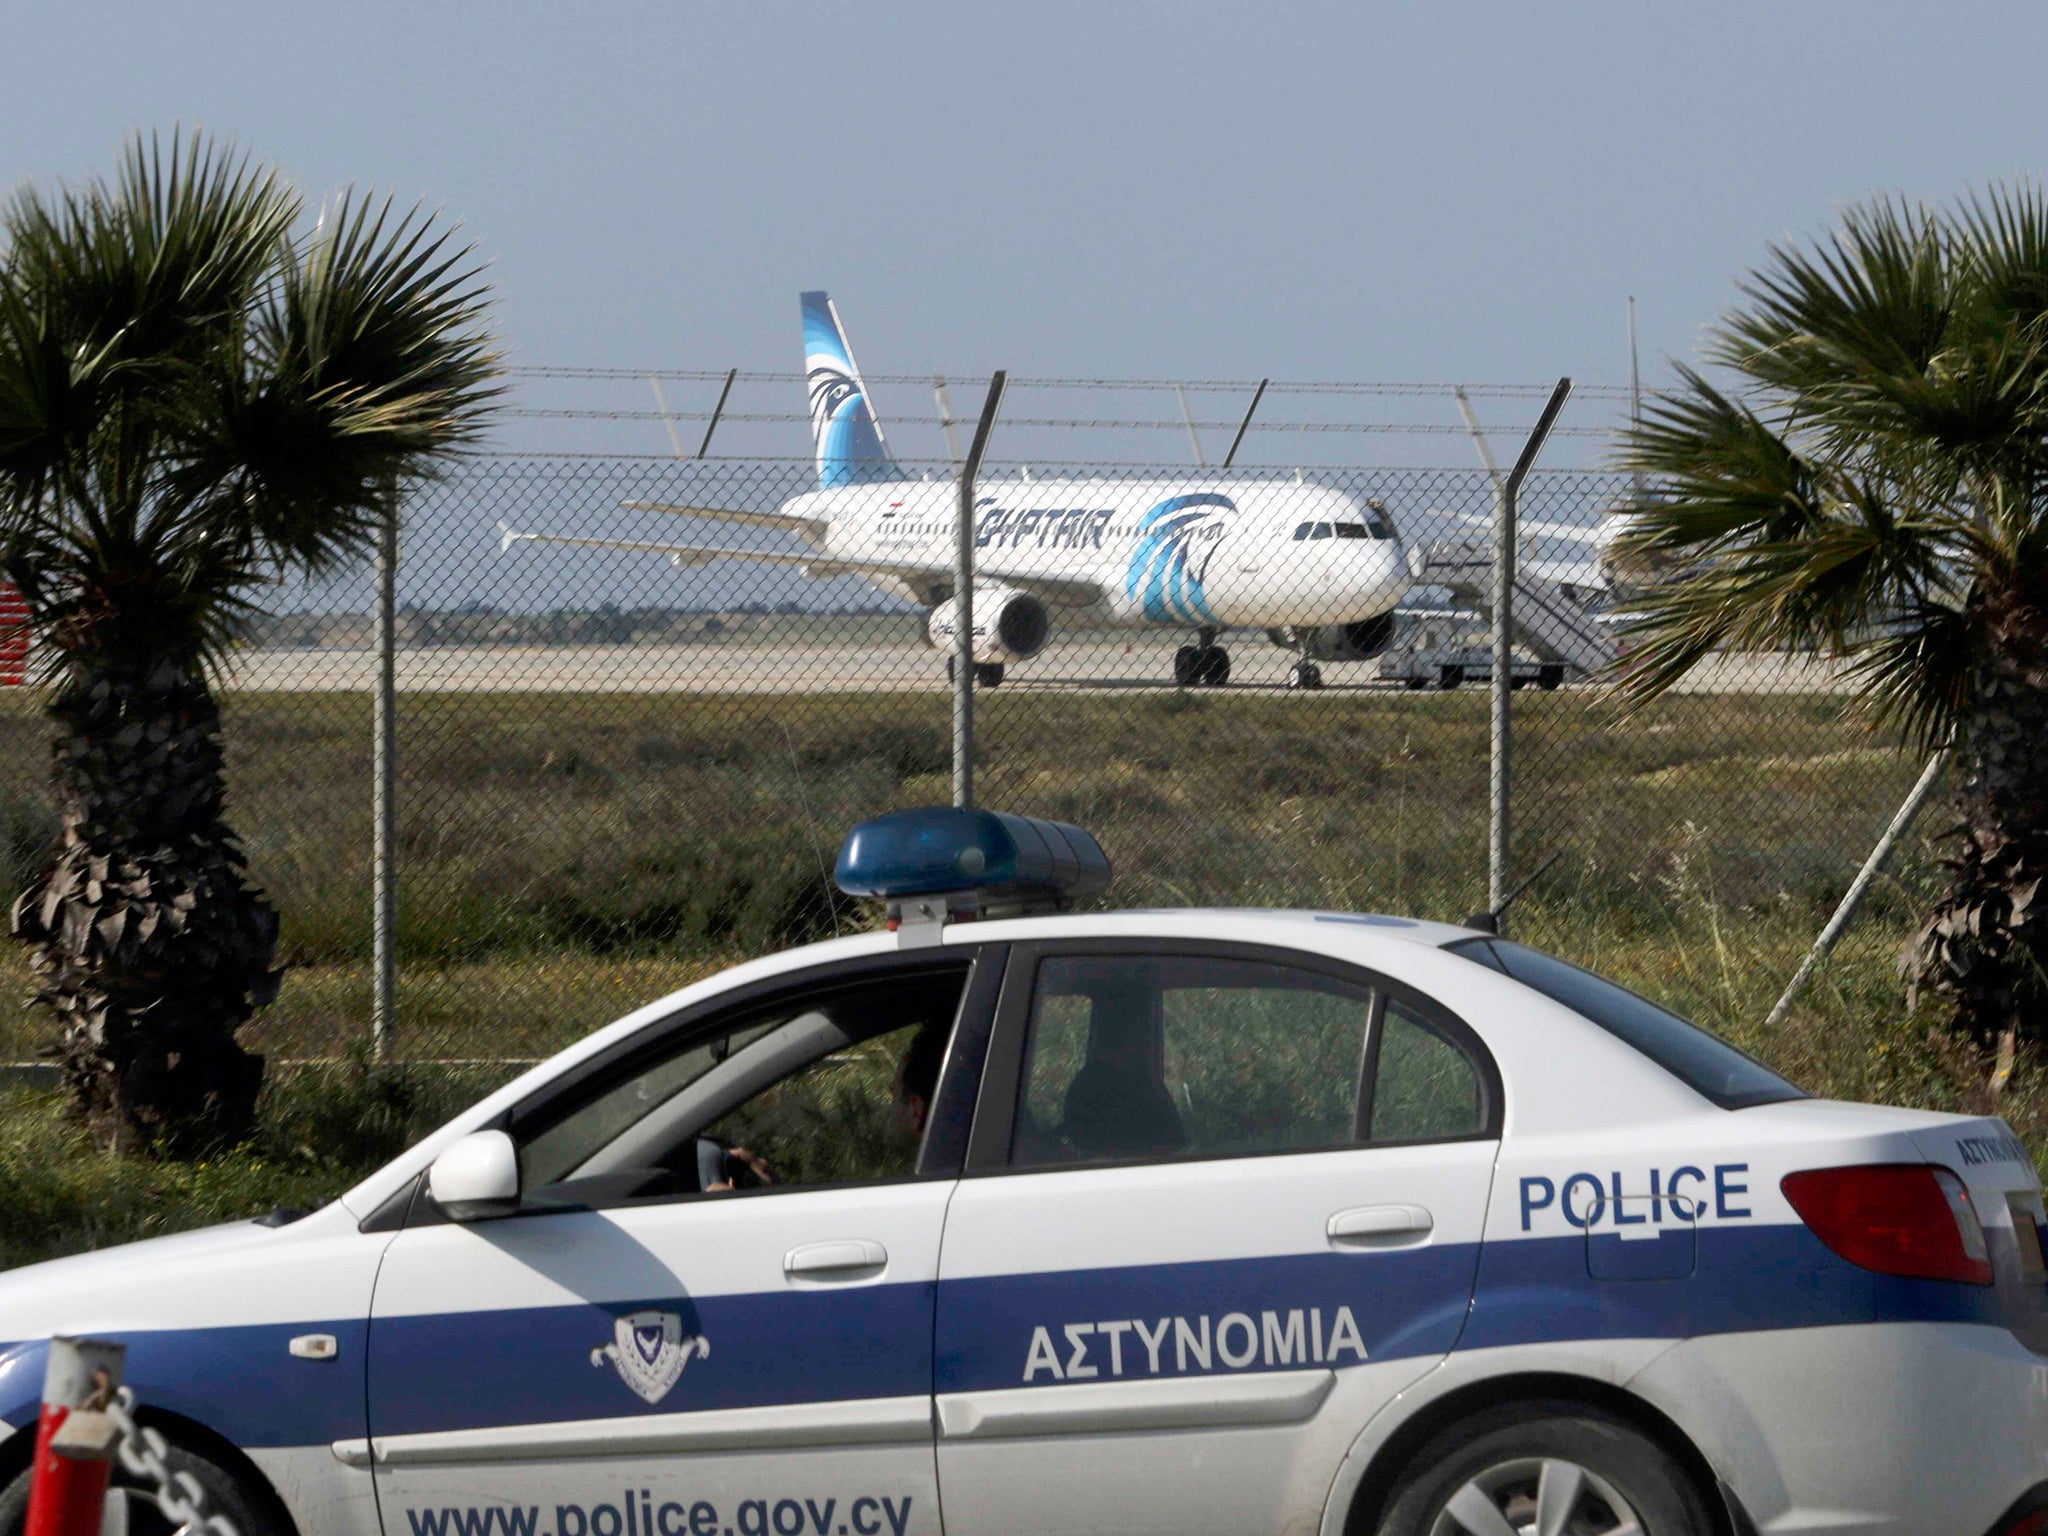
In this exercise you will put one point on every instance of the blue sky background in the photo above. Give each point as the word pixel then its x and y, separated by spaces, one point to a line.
pixel 1312 191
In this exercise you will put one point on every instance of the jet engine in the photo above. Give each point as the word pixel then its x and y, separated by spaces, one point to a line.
pixel 1008 625
pixel 1358 641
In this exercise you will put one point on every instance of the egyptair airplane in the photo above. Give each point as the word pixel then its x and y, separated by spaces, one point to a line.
pixel 1317 569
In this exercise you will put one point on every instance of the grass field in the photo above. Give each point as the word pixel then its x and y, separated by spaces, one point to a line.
pixel 565 857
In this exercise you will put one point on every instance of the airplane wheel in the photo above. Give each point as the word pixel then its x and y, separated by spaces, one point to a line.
pixel 1549 677
pixel 1184 666
pixel 988 674
pixel 1449 677
pixel 1213 670
pixel 1305 674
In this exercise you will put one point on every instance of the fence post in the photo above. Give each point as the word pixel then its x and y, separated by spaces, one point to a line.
pixel 1853 897
pixel 1499 776
pixel 383 802
pixel 67 1492
pixel 963 599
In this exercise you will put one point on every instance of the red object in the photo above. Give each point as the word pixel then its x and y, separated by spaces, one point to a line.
pixel 67 1496
pixel 13 638
pixel 1895 1218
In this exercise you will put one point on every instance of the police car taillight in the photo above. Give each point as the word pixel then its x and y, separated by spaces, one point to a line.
pixel 1904 1219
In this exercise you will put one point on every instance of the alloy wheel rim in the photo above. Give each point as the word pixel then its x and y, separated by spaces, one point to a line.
pixel 1537 1496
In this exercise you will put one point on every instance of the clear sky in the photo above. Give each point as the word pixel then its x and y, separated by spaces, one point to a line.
pixel 1314 191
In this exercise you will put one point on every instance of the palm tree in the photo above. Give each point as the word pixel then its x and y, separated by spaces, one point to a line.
pixel 1873 482
pixel 198 394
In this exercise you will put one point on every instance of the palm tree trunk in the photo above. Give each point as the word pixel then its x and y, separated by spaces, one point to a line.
pixel 150 945
pixel 1985 944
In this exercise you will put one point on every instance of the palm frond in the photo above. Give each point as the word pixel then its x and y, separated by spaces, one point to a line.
pixel 1878 459
pixel 192 395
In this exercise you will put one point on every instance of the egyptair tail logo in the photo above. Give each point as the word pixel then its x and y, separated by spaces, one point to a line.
pixel 843 427
pixel 1176 540
pixel 650 1351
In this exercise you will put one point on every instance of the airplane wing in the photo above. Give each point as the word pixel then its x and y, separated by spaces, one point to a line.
pixel 782 520
pixel 1059 592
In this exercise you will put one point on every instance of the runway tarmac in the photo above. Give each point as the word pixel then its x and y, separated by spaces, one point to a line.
pixel 742 668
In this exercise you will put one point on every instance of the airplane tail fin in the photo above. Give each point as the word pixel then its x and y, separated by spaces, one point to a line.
pixel 843 426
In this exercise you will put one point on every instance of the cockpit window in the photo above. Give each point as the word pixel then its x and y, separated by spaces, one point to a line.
pixel 1323 531
pixel 1352 531
pixel 1302 530
pixel 1380 526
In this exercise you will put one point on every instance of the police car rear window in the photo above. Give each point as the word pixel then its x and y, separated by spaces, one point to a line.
pixel 1708 1065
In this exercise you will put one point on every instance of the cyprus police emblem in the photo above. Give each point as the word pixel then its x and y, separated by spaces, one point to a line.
pixel 649 1351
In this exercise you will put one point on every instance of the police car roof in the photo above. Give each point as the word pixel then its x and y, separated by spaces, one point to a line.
pixel 1205 922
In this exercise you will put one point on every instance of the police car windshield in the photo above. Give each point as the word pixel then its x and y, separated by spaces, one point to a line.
pixel 1708 1065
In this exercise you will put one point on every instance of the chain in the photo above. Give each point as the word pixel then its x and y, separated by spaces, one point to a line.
pixel 142 1451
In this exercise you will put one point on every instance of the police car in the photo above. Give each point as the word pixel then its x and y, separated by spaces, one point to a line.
pixel 1174 1221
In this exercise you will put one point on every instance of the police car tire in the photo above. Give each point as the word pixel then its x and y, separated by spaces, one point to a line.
pixel 1640 1470
pixel 225 1495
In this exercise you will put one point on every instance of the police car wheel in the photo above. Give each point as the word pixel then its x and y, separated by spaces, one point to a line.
pixel 1551 1467
pixel 224 1492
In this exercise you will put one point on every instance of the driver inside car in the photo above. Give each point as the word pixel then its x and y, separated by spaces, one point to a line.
pixel 723 1169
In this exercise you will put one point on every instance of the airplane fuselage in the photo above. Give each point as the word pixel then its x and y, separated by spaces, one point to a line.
pixel 1204 553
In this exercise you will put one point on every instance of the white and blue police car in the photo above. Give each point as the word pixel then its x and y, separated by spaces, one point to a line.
pixel 1200 1222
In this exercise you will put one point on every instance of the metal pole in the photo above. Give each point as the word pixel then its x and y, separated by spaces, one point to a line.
pixel 68 1474
pixel 1499 777
pixel 1187 416
pixel 1478 437
pixel 675 439
pixel 946 422
pixel 963 599
pixel 1635 392
pixel 1257 395
pixel 1860 886
pixel 717 411
pixel 384 773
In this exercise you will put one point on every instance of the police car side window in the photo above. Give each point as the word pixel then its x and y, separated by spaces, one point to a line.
pixel 812 1088
pixel 1130 1056
pixel 1424 1087
pixel 1704 1062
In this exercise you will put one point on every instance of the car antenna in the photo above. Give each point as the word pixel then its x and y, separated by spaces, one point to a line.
pixel 1489 922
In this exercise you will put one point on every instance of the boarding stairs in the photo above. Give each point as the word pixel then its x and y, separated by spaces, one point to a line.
pixel 1546 616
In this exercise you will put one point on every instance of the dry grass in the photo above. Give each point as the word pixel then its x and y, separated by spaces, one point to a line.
pixel 566 857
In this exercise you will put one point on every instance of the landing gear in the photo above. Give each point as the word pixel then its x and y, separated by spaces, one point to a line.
pixel 1449 676
pixel 1305 675
pixel 987 674
pixel 1204 665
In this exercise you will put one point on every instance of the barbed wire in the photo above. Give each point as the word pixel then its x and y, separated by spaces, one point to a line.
pixel 1497 390
pixel 1050 468
pixel 1065 423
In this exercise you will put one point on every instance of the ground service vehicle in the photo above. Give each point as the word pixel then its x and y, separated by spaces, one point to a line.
pixel 1173 1221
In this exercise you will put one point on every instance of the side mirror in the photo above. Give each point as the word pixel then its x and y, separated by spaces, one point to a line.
pixel 476 1178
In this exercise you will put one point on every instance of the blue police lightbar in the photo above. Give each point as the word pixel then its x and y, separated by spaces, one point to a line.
pixel 945 862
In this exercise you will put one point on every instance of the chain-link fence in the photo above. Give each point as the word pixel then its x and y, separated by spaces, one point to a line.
pixel 624 761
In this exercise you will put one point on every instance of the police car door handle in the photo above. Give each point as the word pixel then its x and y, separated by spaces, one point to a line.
pixel 846 1259
pixel 1379 1226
